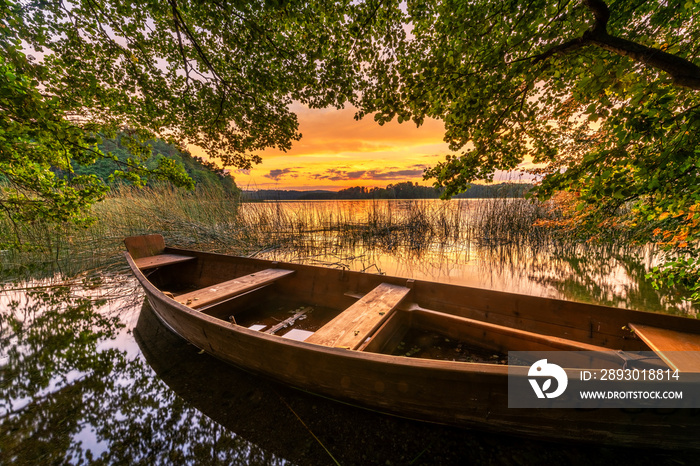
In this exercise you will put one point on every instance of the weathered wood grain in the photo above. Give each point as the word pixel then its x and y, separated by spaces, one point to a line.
pixel 144 246
pixel 354 325
pixel 680 350
pixel 228 289
pixel 152 262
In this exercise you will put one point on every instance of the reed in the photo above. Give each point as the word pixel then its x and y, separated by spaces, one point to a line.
pixel 498 222
pixel 303 229
pixel 210 220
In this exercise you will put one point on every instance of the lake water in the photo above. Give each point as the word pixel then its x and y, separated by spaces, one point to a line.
pixel 89 376
pixel 479 250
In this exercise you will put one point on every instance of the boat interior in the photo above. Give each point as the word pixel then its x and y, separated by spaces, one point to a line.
pixel 402 317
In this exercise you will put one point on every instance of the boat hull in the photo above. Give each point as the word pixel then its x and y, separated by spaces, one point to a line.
pixel 460 394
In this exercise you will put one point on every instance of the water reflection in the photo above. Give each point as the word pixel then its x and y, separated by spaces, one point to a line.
pixel 614 278
pixel 75 391
pixel 81 386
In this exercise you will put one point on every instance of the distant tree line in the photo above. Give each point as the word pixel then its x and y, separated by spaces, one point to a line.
pixel 403 190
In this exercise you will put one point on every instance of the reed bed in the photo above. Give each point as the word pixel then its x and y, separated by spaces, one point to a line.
pixel 186 218
pixel 511 243
pixel 207 219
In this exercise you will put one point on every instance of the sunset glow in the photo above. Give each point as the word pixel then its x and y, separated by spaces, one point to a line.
pixel 337 152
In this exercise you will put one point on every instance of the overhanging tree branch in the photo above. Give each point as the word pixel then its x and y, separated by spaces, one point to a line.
pixel 683 72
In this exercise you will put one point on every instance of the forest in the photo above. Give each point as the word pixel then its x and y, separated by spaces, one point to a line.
pixel 204 174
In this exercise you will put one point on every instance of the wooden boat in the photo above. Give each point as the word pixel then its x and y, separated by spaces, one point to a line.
pixel 339 334
pixel 267 416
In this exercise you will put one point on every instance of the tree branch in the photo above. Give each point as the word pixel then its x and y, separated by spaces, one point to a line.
pixel 683 72
pixel 601 12
pixel 568 46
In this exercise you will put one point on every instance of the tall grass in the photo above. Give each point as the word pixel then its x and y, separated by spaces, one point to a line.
pixel 186 218
pixel 205 216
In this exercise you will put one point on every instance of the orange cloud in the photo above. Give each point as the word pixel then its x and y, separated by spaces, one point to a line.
pixel 337 151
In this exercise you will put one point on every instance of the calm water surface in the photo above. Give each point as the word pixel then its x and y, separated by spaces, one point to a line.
pixel 475 256
pixel 89 376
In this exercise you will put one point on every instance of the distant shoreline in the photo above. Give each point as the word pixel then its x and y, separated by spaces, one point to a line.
pixel 400 191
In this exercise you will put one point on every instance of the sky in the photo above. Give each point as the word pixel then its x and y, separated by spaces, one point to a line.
pixel 337 152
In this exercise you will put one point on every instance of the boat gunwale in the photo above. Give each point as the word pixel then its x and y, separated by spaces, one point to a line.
pixel 416 363
pixel 446 365
pixel 641 316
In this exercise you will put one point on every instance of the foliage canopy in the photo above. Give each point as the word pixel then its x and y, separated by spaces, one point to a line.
pixel 603 96
pixel 220 75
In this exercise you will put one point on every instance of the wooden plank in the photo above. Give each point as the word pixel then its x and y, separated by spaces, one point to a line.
pixel 493 336
pixel 152 262
pixel 351 327
pixel 680 350
pixel 388 336
pixel 229 289
pixel 145 245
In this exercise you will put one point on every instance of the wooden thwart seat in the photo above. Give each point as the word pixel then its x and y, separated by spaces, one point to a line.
pixel 147 252
pixel 229 289
pixel 679 350
pixel 350 328
pixel 152 262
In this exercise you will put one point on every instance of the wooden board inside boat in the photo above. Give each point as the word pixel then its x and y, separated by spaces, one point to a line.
pixel 358 322
pixel 160 260
pixel 680 350
pixel 229 289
